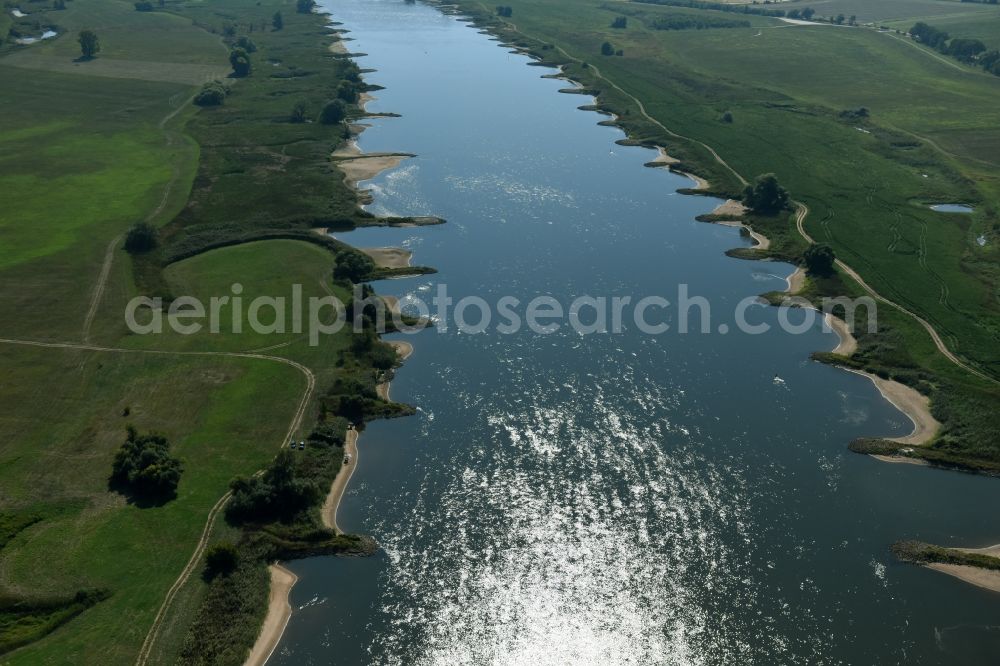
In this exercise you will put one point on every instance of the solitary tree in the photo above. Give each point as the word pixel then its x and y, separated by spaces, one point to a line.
pixel 277 22
pixel 90 45
pixel 240 61
pixel 298 114
pixel 607 49
pixel 819 259
pixel 765 196
pixel 142 237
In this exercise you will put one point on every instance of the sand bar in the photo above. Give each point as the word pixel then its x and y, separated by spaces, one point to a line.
pixel 278 613
pixel 389 257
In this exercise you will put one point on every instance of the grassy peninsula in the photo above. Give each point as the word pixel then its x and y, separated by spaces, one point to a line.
pixel 850 119
pixel 214 169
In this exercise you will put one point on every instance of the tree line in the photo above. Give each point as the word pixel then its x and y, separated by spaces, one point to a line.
pixel 969 51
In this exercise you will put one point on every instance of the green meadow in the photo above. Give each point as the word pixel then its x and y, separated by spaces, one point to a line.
pixel 88 149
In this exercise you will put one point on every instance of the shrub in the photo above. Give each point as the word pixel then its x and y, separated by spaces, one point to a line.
pixel 765 196
pixel 246 44
pixel 607 49
pixel 142 237
pixel 240 61
pixel 333 113
pixel 819 259
pixel 221 560
pixel 211 94
pixel 144 468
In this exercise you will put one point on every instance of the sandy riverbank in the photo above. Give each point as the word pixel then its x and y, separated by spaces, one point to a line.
pixel 389 257
pixel 358 166
pixel 911 402
pixel 339 485
pixel 735 209
pixel 985 578
pixel 278 613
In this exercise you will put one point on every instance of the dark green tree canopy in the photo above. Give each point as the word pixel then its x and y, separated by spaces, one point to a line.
pixel 90 45
pixel 304 6
pixel 144 469
pixel 211 94
pixel 277 22
pixel 142 237
pixel 240 61
pixel 819 259
pixel 765 196
pixel 334 112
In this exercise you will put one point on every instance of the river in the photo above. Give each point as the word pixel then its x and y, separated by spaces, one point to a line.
pixel 608 499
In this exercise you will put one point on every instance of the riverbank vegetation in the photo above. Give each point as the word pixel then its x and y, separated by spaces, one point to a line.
pixel 917 552
pixel 222 193
pixel 866 179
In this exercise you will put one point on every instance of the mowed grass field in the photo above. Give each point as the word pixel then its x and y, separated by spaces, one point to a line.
pixel 87 150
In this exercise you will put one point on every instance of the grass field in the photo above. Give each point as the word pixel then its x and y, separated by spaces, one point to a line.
pixel 86 150
pixel 867 182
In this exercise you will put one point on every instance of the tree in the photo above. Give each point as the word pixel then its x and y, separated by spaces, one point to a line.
pixel 347 92
pixel 277 493
pixel 840 19
pixel 298 114
pixel 211 94
pixel 144 6
pixel 221 560
pixel 765 196
pixel 334 112
pixel 305 6
pixel 144 468
pixel 819 259
pixel 142 237
pixel 240 62
pixel 727 117
pixel 246 44
pixel 506 12
pixel 620 23
pixel 90 45
pixel 808 13
pixel 353 266
pixel 277 22
pixel 853 20
pixel 607 49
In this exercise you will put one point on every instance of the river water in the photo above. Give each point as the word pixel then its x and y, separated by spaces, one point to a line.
pixel 608 499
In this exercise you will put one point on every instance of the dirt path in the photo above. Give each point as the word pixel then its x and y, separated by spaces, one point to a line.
pixel 109 254
pixel 213 514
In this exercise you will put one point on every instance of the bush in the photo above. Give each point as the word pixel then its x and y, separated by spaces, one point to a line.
pixel 211 94
pixel 240 61
pixel 819 259
pixel 765 196
pixel 221 560
pixel 333 113
pixel 276 494
pixel 142 237
pixel 246 44
pixel 144 468
pixel 298 114
pixel 727 117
